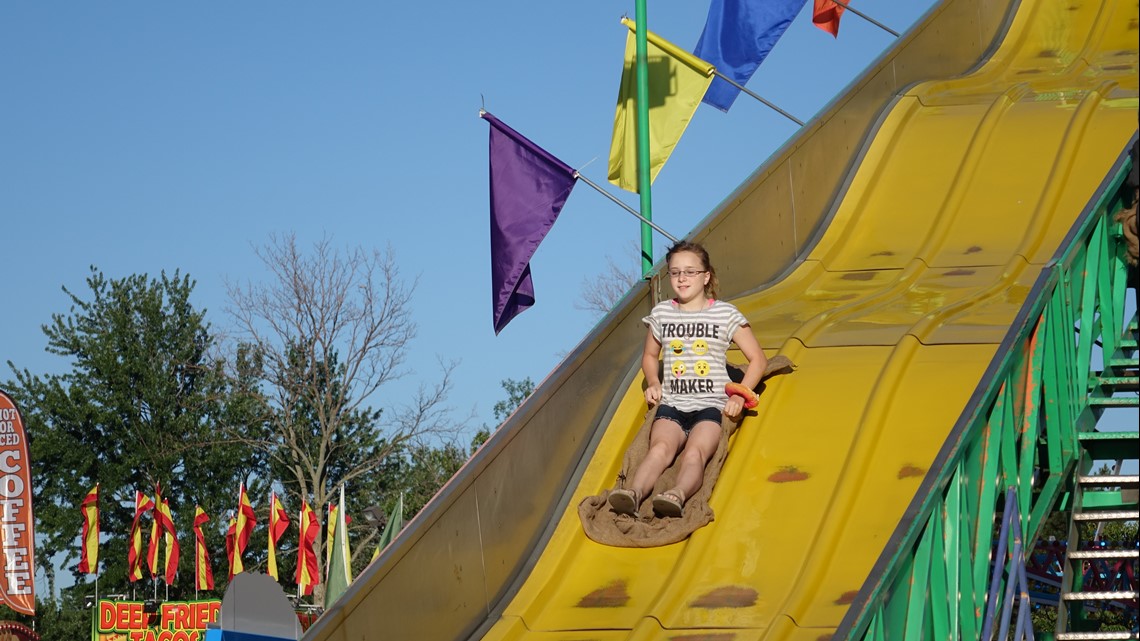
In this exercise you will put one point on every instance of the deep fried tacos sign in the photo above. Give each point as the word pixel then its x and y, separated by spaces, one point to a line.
pixel 17 533
pixel 170 621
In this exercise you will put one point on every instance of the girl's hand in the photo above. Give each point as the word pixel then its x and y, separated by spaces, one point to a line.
pixel 733 407
pixel 653 394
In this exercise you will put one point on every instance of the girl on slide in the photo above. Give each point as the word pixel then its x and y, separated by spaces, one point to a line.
pixel 695 330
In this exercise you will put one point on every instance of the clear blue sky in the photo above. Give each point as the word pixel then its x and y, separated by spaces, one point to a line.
pixel 140 137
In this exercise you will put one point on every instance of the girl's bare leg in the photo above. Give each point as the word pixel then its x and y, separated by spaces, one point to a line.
pixel 665 440
pixel 699 448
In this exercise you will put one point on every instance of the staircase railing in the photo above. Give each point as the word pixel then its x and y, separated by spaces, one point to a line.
pixel 1019 430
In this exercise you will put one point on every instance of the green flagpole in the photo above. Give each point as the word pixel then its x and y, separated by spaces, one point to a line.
pixel 643 139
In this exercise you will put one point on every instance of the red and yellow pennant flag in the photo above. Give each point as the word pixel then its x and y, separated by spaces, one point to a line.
pixel 89 557
pixel 135 552
pixel 203 573
pixel 307 575
pixel 235 559
pixel 246 519
pixel 152 547
pixel 173 550
pixel 278 523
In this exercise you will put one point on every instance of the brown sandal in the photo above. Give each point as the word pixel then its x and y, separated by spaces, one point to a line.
pixel 669 503
pixel 625 501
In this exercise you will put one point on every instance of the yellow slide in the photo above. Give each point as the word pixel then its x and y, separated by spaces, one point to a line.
pixel 885 250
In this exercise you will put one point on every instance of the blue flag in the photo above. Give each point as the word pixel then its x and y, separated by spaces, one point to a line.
pixel 528 188
pixel 738 36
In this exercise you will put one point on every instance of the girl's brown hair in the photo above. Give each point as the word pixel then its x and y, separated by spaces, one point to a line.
pixel 703 254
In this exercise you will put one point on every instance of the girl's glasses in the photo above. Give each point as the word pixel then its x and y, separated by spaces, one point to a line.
pixel 688 273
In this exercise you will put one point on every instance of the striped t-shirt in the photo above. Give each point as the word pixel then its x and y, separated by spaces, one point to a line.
pixel 694 345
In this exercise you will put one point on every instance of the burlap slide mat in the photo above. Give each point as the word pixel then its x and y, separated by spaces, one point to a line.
pixel 605 526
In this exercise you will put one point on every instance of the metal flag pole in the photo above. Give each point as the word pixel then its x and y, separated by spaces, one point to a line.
pixel 626 207
pixel 756 96
pixel 867 18
pixel 643 169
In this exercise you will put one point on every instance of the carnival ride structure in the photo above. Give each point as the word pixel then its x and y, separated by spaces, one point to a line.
pixel 891 249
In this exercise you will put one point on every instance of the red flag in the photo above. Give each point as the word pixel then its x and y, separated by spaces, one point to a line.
pixel 826 16
pixel 278 523
pixel 307 575
pixel 203 573
pixel 173 550
pixel 89 558
pixel 135 552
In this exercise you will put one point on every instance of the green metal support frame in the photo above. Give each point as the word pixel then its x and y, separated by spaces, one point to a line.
pixel 1019 430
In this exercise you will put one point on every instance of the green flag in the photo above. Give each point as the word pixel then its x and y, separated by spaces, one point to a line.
pixel 340 567
pixel 677 82
pixel 392 528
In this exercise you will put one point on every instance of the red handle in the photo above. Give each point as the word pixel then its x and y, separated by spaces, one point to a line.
pixel 751 398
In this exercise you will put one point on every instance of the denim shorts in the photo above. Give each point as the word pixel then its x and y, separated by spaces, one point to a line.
pixel 687 420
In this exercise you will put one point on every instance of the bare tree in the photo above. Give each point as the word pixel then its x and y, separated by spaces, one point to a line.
pixel 600 293
pixel 318 342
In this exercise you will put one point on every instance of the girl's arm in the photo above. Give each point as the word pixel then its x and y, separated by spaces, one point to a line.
pixel 650 367
pixel 757 361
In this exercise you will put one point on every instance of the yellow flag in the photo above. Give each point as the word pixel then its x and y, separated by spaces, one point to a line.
pixel 677 82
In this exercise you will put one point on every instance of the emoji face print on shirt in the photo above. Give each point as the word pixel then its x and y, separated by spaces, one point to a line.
pixel 678 368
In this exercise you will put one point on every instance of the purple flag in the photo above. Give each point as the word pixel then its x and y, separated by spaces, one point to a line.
pixel 528 189
pixel 738 36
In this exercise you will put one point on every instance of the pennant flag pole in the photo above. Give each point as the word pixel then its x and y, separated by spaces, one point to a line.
pixel 626 207
pixel 757 97
pixel 737 37
pixel 234 559
pixel 826 14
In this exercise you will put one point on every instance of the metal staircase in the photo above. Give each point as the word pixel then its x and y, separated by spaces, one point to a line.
pixel 1100 572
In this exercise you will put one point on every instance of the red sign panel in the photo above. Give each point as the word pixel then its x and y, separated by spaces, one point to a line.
pixel 17 527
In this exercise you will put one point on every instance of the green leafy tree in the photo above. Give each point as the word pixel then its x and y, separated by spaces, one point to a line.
pixel 138 407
